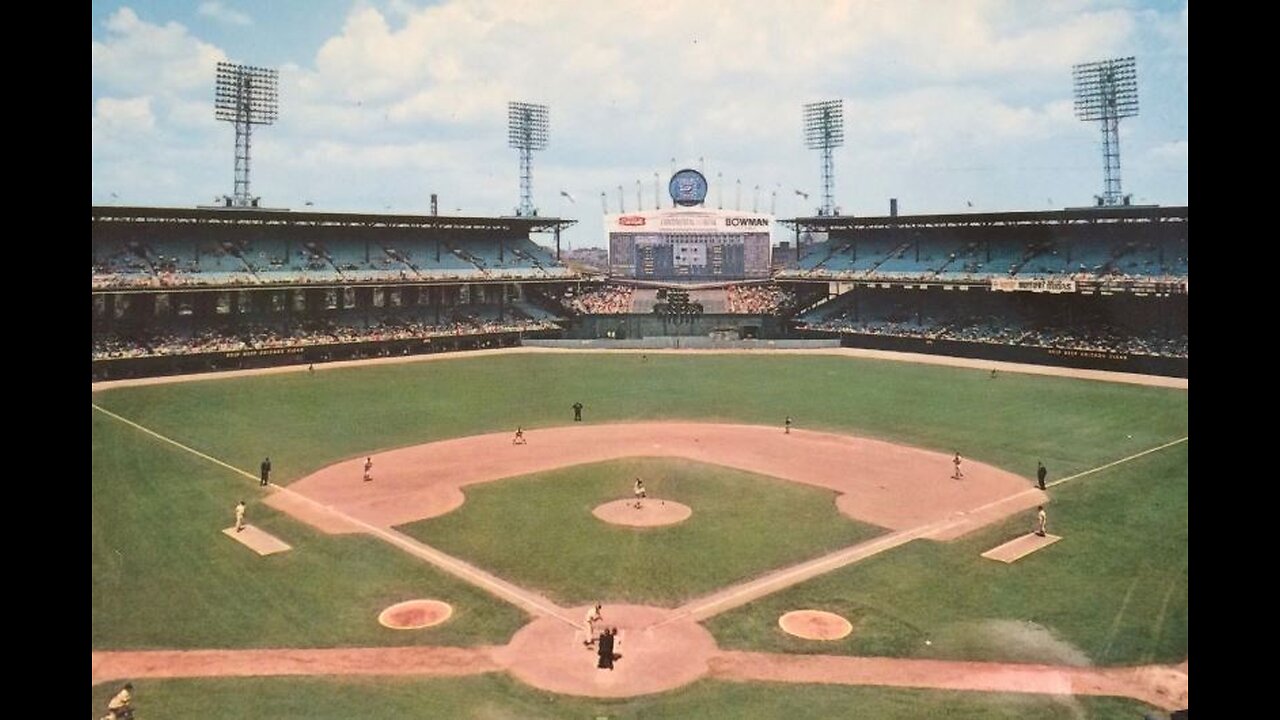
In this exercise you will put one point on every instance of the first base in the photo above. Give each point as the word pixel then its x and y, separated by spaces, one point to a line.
pixel 1021 547
pixel 259 541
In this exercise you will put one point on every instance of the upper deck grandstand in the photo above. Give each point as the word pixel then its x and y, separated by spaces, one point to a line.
pixel 171 247
pixel 194 289
pixel 1113 246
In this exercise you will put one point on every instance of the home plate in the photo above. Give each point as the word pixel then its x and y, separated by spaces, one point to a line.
pixel 1019 548
pixel 259 541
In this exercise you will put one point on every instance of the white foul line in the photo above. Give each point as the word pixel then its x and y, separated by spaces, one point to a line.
pixel 716 603
pixel 1121 460
pixel 498 587
pixel 175 443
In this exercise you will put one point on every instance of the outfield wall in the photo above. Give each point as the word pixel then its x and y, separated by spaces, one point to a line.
pixel 1061 357
pixel 121 368
pixel 658 342
pixel 622 327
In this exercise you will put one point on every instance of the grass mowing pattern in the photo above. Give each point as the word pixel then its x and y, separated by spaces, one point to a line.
pixel 538 531
pixel 496 697
pixel 1113 591
pixel 164 576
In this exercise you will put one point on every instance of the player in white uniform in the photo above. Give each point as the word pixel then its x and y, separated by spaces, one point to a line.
pixel 593 617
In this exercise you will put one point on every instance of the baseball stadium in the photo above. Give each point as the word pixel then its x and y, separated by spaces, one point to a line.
pixel 422 343
pixel 896 466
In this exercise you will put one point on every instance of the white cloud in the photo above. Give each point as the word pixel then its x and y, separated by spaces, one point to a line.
pixel 138 56
pixel 1172 153
pixel 222 13
pixel 943 101
pixel 123 115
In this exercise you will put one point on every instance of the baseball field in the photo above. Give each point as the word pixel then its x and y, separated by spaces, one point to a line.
pixel 855 512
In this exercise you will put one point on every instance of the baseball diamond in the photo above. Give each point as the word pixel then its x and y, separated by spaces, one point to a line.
pixel 901 493
pixel 823 407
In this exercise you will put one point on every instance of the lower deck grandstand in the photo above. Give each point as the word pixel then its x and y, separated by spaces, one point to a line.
pixel 213 288
pixel 1108 324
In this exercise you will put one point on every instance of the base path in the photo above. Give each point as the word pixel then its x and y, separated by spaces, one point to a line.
pixel 650 662
pixel 293 661
pixel 881 483
pixel 1159 685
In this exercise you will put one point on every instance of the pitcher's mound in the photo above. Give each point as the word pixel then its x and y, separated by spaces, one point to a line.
pixel 415 614
pixel 815 625
pixel 651 513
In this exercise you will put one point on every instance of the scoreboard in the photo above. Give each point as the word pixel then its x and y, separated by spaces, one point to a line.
pixel 689 244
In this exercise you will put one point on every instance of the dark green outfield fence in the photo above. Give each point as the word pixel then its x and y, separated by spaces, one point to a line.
pixel 120 368
pixel 608 328
pixel 1060 357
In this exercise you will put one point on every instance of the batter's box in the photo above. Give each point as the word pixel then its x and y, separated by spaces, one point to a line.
pixel 259 541
pixel 1021 547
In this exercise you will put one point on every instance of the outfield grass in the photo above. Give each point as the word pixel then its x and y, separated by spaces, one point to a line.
pixel 307 421
pixel 496 697
pixel 743 524
pixel 164 576
pixel 1113 591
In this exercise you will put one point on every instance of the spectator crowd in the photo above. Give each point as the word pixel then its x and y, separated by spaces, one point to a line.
pixel 758 299
pixel 1104 338
pixel 257 336
pixel 604 300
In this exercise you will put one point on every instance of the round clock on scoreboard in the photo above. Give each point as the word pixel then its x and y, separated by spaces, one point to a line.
pixel 688 187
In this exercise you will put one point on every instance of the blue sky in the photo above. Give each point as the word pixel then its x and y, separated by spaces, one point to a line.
pixel 949 106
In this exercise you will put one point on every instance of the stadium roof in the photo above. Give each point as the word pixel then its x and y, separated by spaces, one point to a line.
pixel 258 216
pixel 1067 216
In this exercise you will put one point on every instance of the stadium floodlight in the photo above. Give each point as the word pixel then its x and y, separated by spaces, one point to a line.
pixel 824 130
pixel 527 126
pixel 246 96
pixel 1107 91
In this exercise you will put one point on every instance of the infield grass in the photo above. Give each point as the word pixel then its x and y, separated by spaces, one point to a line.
pixel 538 531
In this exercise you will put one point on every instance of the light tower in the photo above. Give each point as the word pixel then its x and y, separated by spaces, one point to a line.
pixel 1107 91
pixel 246 96
pixel 824 130
pixel 526 131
